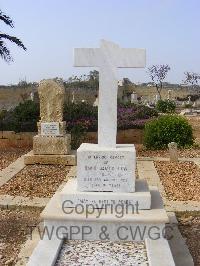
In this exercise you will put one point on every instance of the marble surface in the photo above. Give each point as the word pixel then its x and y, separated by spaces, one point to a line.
pixel 50 129
pixel 139 200
pixel 98 253
pixel 108 58
pixel 106 169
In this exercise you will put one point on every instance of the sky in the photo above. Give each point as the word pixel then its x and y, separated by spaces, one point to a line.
pixel 50 29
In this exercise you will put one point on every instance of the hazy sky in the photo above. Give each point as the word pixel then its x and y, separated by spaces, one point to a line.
pixel 50 29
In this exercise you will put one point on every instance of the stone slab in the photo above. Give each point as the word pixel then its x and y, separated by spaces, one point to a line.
pixel 140 199
pixel 179 249
pixel 149 222
pixel 62 128
pixel 31 158
pixel 46 252
pixel 106 169
pixel 52 145
pixel 10 171
pixel 28 247
pixel 159 253
pixel 50 129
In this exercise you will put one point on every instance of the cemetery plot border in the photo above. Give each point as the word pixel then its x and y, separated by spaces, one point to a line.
pixel 41 181
pixel 15 227
pixel 10 155
pixel 148 171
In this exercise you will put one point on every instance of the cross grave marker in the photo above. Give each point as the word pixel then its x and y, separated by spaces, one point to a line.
pixel 108 58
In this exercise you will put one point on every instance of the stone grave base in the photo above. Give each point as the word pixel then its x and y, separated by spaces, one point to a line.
pixel 139 200
pixel 69 159
pixel 72 223
pixel 145 226
pixel 66 221
pixel 50 145
pixel 47 253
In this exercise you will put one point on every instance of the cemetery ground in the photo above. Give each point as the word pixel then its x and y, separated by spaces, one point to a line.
pixel 25 194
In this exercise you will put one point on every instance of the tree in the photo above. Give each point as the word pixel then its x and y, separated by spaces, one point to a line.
pixel 158 73
pixel 93 79
pixel 192 79
pixel 4 50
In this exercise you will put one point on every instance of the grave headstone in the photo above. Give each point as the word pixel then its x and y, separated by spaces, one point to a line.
pixel 32 96
pixel 173 152
pixel 112 164
pixel 105 173
pixel 73 97
pixel 157 98
pixel 134 97
pixel 96 102
pixel 169 96
pixel 52 139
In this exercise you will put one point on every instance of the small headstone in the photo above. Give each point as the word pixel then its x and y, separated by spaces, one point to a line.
pixel 194 105
pixel 189 100
pixel 134 98
pixel 173 152
pixel 32 96
pixel 52 138
pixel 96 102
pixel 73 97
pixel 157 98
pixel 169 96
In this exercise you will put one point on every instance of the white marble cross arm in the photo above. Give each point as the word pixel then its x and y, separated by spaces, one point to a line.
pixel 86 57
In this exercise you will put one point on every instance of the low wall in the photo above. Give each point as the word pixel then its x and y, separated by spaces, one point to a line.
pixel 123 136
pixel 18 140
pixel 25 139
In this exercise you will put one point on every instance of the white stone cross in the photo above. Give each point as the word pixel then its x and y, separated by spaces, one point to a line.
pixel 108 58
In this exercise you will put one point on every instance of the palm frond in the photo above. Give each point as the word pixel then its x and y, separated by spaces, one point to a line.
pixel 6 19
pixel 12 39
pixel 4 52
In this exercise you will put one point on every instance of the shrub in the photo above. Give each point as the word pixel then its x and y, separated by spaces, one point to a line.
pixel 79 118
pixel 22 118
pixel 166 106
pixel 134 116
pixel 81 115
pixel 165 129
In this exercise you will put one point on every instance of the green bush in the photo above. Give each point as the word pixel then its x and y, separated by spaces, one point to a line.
pixel 166 106
pixel 165 129
pixel 23 118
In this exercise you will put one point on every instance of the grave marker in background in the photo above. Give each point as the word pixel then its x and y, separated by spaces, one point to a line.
pixel 52 145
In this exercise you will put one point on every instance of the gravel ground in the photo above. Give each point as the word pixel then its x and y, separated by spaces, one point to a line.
pixel 190 230
pixel 14 228
pixel 36 181
pixel 190 153
pixel 7 156
pixel 98 253
pixel 181 180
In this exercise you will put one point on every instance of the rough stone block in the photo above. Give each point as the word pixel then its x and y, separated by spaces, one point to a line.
pixel 52 145
pixel 31 158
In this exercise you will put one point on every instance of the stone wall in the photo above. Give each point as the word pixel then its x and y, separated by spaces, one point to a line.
pixel 25 139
